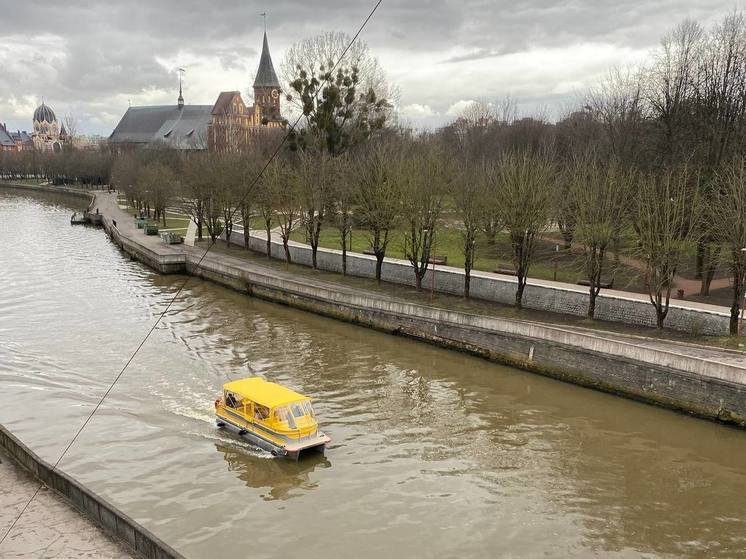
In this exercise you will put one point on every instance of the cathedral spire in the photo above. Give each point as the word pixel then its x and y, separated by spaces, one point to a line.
pixel 265 75
pixel 180 101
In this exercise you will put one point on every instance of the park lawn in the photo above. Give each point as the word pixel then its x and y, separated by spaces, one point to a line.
pixel 257 222
pixel 177 222
pixel 489 257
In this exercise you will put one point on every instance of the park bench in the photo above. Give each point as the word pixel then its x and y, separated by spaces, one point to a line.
pixel 151 229
pixel 504 271
pixel 607 285
pixel 438 260
pixel 172 238
pixel 140 222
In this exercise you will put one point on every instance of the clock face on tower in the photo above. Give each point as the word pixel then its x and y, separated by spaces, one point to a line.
pixel 275 94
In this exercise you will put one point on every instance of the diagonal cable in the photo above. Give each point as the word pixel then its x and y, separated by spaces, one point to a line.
pixel 183 284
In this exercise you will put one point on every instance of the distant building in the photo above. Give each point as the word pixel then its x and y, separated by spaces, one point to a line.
pixel 227 124
pixel 14 141
pixel 48 135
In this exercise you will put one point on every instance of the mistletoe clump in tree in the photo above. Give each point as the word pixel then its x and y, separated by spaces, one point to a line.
pixel 337 116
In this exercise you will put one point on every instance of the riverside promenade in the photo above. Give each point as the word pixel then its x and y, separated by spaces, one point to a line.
pixel 699 379
pixel 50 527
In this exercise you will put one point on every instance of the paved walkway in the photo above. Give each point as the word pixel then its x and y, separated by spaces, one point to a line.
pixel 50 527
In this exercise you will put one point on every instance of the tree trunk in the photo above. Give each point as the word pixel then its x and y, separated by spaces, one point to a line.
pixel 711 258
pixel 468 263
pixel 519 292
pixel 269 243
pixel 379 265
pixel 344 257
pixel 285 239
pixel 592 303
pixel 700 264
pixel 735 308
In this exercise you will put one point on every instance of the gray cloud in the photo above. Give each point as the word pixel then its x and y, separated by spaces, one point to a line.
pixel 92 56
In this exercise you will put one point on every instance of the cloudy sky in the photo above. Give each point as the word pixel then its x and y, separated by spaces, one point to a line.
pixel 90 59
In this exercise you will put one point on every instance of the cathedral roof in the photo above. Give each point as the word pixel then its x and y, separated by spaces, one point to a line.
pixel 5 138
pixel 184 128
pixel 44 113
pixel 224 100
pixel 265 75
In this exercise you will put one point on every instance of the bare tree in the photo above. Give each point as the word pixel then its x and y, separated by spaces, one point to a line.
pixel 599 196
pixel 524 193
pixel 266 201
pixel 727 222
pixel 378 196
pixel 195 189
pixel 666 214
pixel 71 126
pixel 720 112
pixel 670 90
pixel 470 193
pixel 343 197
pixel 157 182
pixel 423 178
pixel 315 182
pixel 617 104
pixel 282 181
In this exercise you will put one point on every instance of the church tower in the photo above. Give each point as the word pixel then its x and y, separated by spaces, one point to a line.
pixel 267 87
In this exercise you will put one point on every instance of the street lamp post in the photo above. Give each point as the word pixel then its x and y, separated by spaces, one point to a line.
pixel 432 283
pixel 743 303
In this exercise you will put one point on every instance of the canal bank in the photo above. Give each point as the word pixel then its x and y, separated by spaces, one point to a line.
pixel 703 381
pixel 60 520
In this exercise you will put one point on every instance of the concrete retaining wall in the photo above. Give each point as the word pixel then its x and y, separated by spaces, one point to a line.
pixel 545 296
pixel 705 388
pixel 103 513
pixel 171 263
pixel 76 192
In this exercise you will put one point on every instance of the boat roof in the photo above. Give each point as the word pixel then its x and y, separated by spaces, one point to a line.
pixel 263 392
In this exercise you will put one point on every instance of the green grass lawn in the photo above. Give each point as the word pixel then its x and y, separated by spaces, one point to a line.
pixel 176 222
pixel 490 257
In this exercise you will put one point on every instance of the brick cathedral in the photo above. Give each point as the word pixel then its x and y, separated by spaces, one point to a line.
pixel 228 124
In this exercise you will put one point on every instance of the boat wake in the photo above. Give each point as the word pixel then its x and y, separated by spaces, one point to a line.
pixel 214 433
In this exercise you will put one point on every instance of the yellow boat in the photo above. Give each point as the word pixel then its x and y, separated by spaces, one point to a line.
pixel 271 416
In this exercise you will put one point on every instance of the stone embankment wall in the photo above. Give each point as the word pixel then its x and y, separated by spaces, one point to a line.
pixel 555 297
pixel 705 388
pixel 75 192
pixel 103 513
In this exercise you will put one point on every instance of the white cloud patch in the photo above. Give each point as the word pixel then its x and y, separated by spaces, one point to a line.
pixel 415 111
pixel 540 53
pixel 458 108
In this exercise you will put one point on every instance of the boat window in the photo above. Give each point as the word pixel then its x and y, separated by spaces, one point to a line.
pixel 261 412
pixel 308 408
pixel 297 409
pixel 231 400
pixel 281 413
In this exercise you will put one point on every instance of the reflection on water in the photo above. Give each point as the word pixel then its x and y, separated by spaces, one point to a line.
pixel 434 453
pixel 280 477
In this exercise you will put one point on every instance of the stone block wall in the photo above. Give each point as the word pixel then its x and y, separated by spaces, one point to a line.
pixel 555 297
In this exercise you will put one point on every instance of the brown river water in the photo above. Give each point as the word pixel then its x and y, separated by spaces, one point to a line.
pixel 434 453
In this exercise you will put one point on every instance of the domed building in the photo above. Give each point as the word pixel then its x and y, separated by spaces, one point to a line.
pixel 48 135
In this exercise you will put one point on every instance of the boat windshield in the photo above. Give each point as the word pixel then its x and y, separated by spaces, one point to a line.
pixel 284 414
pixel 292 411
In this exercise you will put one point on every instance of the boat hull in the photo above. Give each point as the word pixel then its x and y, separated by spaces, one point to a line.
pixel 292 450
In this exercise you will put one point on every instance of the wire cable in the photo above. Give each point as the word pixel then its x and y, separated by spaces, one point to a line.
pixel 183 284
